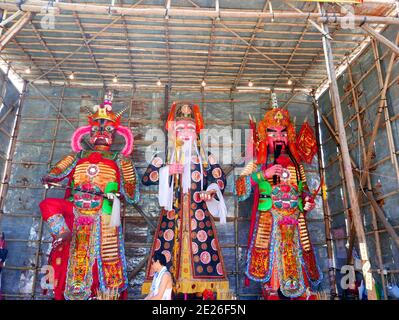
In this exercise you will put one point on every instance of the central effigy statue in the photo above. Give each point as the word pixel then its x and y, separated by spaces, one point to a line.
pixel 88 251
pixel 280 255
pixel 190 192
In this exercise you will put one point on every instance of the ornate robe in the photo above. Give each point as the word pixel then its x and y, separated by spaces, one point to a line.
pixel 187 235
pixel 280 254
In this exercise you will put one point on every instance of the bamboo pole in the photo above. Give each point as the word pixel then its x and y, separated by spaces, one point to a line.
pixel 326 211
pixel 351 188
pixel 236 241
pixel 388 126
pixel 13 31
pixel 381 38
pixel 37 6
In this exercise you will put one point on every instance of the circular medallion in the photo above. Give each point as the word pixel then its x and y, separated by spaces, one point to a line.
pixel 220 184
pixel 217 173
pixel 202 236
pixel 168 235
pixel 193 224
pixel 92 170
pixel 196 197
pixel 171 214
pixel 157 162
pixel 205 257
pixel 157 244
pixel 154 176
pixel 199 214
pixel 219 269
pixel 213 245
pixel 196 176
pixel 194 247
pixel 167 255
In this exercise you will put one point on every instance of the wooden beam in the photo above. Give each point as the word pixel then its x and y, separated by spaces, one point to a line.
pixel 381 38
pixel 350 181
pixel 37 5
pixel 13 31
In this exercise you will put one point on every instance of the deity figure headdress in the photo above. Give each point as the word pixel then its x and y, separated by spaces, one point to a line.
pixel 185 111
pixel 104 112
pixel 276 116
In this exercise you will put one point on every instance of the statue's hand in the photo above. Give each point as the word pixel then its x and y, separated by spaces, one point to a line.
pixel 309 204
pixel 275 170
pixel 207 195
pixel 175 168
pixel 46 181
pixel 62 238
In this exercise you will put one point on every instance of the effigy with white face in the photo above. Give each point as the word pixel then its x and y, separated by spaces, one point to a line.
pixel 191 187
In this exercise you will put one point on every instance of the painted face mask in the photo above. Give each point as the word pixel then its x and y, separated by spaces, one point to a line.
pixel 103 125
pixel 277 138
pixel 185 130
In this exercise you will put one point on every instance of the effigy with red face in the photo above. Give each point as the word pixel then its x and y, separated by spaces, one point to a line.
pixel 280 255
pixel 190 193
pixel 88 251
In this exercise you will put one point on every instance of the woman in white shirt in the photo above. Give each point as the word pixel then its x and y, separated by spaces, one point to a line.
pixel 161 287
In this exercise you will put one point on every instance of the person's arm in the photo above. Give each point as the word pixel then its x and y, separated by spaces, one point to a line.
pixel 162 287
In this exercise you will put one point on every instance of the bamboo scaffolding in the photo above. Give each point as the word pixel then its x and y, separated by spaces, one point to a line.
pixel 8 165
pixel 12 32
pixel 370 147
pixel 363 147
pixel 350 182
pixel 327 216
pixel 387 122
pixel 45 191
pixel 248 48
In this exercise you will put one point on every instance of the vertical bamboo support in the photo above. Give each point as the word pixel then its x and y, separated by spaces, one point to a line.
pixel 51 157
pixel 363 146
pixel 388 125
pixel 326 211
pixel 236 242
pixel 355 208
pixel 7 171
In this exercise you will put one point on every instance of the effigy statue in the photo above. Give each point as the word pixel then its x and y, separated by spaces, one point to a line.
pixel 190 191
pixel 88 251
pixel 280 255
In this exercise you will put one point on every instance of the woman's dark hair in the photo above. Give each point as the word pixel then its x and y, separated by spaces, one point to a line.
pixel 159 257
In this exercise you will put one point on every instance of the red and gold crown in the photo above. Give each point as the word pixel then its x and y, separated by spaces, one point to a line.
pixel 275 117
pixel 104 111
